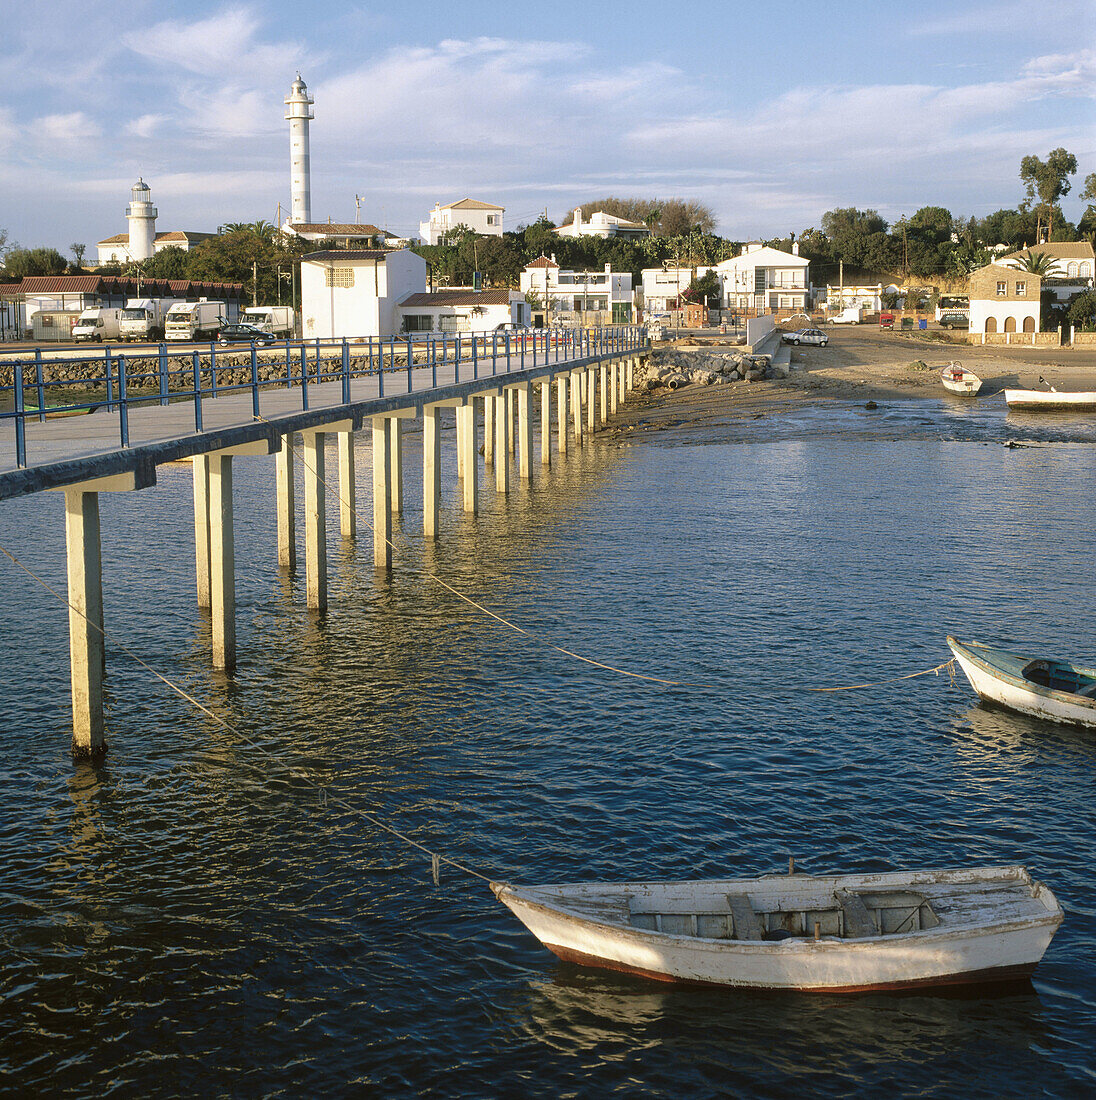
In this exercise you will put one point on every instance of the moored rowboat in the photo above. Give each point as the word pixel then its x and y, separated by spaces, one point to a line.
pixel 1051 400
pixel 1041 686
pixel 814 933
pixel 957 379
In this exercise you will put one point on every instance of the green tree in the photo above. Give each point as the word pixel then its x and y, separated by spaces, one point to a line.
pixel 664 217
pixel 707 289
pixel 1082 311
pixel 1047 181
pixel 34 261
pixel 78 251
pixel 928 241
pixel 859 237
pixel 168 263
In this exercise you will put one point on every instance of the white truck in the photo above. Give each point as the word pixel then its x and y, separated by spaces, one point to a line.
pixel 275 319
pixel 144 318
pixel 200 320
pixel 98 325
pixel 850 315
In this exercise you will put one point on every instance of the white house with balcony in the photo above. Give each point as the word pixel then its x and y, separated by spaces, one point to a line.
pixel 579 297
pixel 1070 271
pixel 663 286
pixel 602 225
pixel 484 218
pixel 764 279
pixel 357 291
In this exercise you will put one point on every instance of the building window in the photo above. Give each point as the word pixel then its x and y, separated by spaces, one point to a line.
pixel 1021 288
pixel 492 219
pixel 339 276
pixel 1002 289
pixel 1084 271
pixel 1071 271
pixel 418 322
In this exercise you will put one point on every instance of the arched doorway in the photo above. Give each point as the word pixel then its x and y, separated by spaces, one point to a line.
pixel 991 324
pixel 1010 324
pixel 1029 324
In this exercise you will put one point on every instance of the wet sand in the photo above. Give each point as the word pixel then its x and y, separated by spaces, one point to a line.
pixel 861 365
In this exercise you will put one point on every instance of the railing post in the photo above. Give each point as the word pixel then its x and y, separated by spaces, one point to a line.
pixel 109 378
pixel 20 417
pixel 212 370
pixel 39 387
pixel 345 372
pixel 475 356
pixel 432 351
pixel 410 356
pixel 288 367
pixel 254 383
pixel 123 406
pixel 507 353
pixel 380 366
pixel 163 374
pixel 304 377
pixel 197 367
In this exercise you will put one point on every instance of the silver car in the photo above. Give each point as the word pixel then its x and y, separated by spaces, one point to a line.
pixel 806 336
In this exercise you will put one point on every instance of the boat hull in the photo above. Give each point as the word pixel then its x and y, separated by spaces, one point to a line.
pixel 1050 401
pixel 994 953
pixel 963 383
pixel 994 685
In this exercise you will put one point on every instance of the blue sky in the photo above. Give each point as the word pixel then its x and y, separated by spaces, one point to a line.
pixel 770 114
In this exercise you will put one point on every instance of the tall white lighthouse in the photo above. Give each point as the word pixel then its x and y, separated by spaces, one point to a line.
pixel 298 110
pixel 141 215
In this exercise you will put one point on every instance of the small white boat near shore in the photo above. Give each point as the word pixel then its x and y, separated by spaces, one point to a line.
pixel 957 379
pixel 814 933
pixel 1051 400
pixel 1041 686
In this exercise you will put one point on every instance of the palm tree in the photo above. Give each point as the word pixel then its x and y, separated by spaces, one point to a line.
pixel 1038 263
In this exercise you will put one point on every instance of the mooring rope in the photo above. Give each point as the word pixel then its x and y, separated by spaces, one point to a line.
pixel 894 679
pixel 436 858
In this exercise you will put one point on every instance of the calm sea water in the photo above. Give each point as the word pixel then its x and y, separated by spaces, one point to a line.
pixel 203 913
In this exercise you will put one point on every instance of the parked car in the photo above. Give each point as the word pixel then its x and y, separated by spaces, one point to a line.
pixel 244 334
pixel 806 336
pixel 886 320
pixel 954 320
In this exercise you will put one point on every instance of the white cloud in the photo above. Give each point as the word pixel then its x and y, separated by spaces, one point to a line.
pixel 72 127
pixel 147 126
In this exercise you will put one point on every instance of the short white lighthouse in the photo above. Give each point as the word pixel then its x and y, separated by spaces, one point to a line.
pixel 298 111
pixel 141 215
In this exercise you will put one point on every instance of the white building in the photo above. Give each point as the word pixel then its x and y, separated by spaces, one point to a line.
pixel 581 297
pixel 1071 269
pixel 1004 299
pixel 483 218
pixel 357 292
pixel 463 309
pixel 663 286
pixel 764 279
pixel 142 240
pixel 343 234
pixel 602 225
pixel 849 296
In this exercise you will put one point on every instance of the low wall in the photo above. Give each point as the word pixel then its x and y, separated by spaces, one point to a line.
pixel 1017 339
pixel 1084 339
pixel 757 328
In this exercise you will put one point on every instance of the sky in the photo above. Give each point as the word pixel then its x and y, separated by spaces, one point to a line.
pixel 770 114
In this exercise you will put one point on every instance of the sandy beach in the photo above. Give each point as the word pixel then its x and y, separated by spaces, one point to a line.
pixel 860 364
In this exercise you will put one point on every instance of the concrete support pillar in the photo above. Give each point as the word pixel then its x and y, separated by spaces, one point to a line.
pixel 431 471
pixel 222 558
pixel 395 464
pixel 459 420
pixel 561 413
pixel 315 520
pixel 469 480
pixel 620 381
pixel 200 463
pixel 603 377
pixel 546 423
pixel 382 492
pixel 348 490
pixel 590 380
pixel 87 649
pixel 576 402
pixel 524 396
pixel 488 430
pixel 614 389
pixel 287 506
pixel 629 381
pixel 502 441
pixel 510 433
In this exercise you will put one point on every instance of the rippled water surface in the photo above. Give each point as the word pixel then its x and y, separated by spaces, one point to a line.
pixel 209 912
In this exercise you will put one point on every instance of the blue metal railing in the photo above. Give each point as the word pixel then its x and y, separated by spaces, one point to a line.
pixel 115 380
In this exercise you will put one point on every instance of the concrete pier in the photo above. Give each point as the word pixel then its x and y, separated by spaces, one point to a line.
pixel 546 423
pixel 200 464
pixel 561 413
pixel 348 487
pixel 488 430
pixel 614 389
pixel 382 492
pixel 469 478
pixel 590 377
pixel 503 401
pixel 523 396
pixel 222 559
pixel 603 379
pixel 395 464
pixel 287 519
pixel 315 520
pixel 431 470
pixel 87 649
pixel 576 404
pixel 510 434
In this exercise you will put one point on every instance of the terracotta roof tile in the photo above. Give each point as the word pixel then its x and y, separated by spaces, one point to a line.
pixel 459 297
pixel 472 204
pixel 542 261
pixel 336 229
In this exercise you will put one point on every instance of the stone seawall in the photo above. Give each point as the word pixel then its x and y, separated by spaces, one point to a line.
pixel 676 367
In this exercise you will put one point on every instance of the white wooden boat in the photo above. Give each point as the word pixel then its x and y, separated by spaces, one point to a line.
pixel 1051 400
pixel 957 379
pixel 1041 686
pixel 814 933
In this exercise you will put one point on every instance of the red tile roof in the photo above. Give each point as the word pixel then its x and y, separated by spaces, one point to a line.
pixel 542 261
pixel 460 297
pixel 338 229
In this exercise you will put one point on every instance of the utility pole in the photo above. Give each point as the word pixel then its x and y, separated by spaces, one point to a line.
pixel 254 282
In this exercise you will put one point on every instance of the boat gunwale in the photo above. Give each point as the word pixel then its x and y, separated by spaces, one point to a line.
pixel 1021 681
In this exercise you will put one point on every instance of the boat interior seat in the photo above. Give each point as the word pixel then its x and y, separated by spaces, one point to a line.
pixel 1088 690
pixel 858 919
pixel 747 926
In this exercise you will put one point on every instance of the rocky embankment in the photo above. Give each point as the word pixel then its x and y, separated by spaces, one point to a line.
pixel 675 367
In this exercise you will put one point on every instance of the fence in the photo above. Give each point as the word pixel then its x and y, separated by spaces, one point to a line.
pixel 119 382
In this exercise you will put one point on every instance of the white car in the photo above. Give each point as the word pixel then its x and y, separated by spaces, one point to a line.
pixel 806 336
